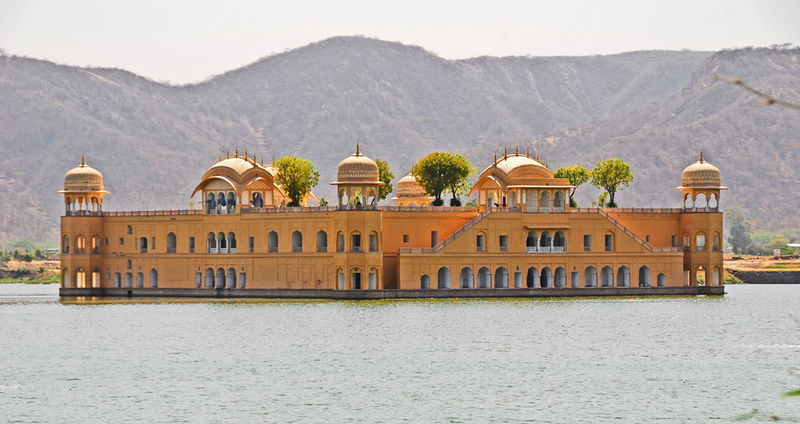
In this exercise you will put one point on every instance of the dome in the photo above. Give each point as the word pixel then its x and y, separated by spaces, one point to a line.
pixel 83 178
pixel 357 168
pixel 408 186
pixel 701 174
pixel 239 165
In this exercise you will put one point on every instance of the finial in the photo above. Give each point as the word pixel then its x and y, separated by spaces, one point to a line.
pixel 516 151
pixel 237 152
pixel 245 153
pixel 219 159
pixel 358 148
pixel 505 152
pixel 273 161
pixel 701 157
pixel 83 161
pixel 528 152
pixel 254 159
pixel 495 159
pixel 228 154
pixel 262 161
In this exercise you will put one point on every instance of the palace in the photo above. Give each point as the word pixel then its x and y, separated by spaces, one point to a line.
pixel 523 235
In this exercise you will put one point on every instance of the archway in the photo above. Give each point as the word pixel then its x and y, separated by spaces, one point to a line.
pixel 590 277
pixel 139 280
pixel 546 279
pixel 153 278
pixel 443 281
pixel 231 242
pixel 220 280
pixel 128 280
pixel 212 243
pixel 297 241
pixel 701 276
pixel 501 278
pixel 561 276
pixel 172 242
pixel 545 205
pixel 484 278
pixel 425 282
pixel 661 280
pixel 65 277
pixel 117 279
pixel 644 276
pixel 532 279
pixel 715 276
pixel 272 241
pixel 558 201
pixel 230 281
pixel 355 279
pixel 607 276
pixel 322 241
pixel 340 279
pixel 209 278
pixel 623 277
pixel 467 278
pixel 373 279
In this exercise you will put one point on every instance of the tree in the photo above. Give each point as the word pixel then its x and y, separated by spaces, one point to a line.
pixel 439 171
pixel 739 230
pixel 611 175
pixel 297 177
pixel 577 175
pixel 386 177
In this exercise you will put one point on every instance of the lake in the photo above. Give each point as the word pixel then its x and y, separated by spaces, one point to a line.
pixel 670 359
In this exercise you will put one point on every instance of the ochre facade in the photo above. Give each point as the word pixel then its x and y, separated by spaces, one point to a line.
pixel 523 234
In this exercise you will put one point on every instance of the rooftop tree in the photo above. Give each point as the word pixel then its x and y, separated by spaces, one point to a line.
pixel 297 177
pixel 577 175
pixel 439 172
pixel 386 176
pixel 611 175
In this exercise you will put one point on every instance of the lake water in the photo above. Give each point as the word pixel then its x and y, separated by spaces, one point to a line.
pixel 670 360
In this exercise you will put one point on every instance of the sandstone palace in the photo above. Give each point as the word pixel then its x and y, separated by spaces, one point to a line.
pixel 522 239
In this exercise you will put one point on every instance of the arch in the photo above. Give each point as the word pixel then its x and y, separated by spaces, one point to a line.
pixel 373 241
pixel 661 280
pixel 65 246
pixel 355 279
pixel 715 276
pixel 210 278
pixel 355 241
pixel 623 276
pixel 95 244
pixel 220 280
pixel 80 244
pixel 297 241
pixel 222 243
pixel 560 241
pixel 340 279
pixel 322 241
pixel 172 242
pixel 545 240
pixel 117 279
pixel 242 280
pixel 128 280
pixel 143 244
pixel 373 279
pixel 531 204
pixel 512 199
pixel 590 277
pixel 425 282
pixel 544 203
pixel 532 279
pixel 700 241
pixel 715 245
pixel 561 276
pixel 608 242
pixel 211 245
pixel 558 201
pixel 700 276
pixel 607 276
pixel 128 264
pixel 232 242
pixel 65 277
pixel 688 202
pixel 467 278
pixel 130 229
pixel 231 202
pixel 211 203
pixel 340 242
pixel 443 280
pixel 501 278
pixel 644 276
pixel 484 278
pixel 139 280
pixel 230 280
pixel 153 278
pixel 546 277
pixel 701 202
pixel 272 241
pixel 532 239
pixel 713 202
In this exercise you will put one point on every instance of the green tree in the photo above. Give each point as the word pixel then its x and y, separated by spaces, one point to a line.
pixel 739 230
pixel 386 176
pixel 577 175
pixel 439 172
pixel 297 177
pixel 611 175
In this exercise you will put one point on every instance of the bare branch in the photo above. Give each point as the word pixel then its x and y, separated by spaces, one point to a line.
pixel 766 99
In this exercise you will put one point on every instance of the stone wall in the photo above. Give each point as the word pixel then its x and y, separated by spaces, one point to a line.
pixel 768 277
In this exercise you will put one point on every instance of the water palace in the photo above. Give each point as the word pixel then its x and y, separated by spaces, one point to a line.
pixel 522 239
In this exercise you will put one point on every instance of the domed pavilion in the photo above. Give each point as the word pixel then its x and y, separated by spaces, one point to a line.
pixel 83 189
pixel 357 181
pixel 700 187
pixel 410 193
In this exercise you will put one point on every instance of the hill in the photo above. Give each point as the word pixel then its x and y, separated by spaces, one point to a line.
pixel 153 141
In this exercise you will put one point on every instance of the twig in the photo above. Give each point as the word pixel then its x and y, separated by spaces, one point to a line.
pixel 765 98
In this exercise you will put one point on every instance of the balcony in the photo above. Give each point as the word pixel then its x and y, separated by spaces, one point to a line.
pixel 545 249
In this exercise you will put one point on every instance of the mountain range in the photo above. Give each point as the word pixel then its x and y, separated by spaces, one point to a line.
pixel 153 141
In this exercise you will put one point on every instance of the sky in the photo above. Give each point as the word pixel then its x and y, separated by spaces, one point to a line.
pixel 185 41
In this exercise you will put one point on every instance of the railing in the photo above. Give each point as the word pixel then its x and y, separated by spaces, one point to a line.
pixel 291 209
pixel 154 213
pixel 644 210
pixel 545 249
pixel 83 213
pixel 427 208
pixel 558 209
pixel 624 229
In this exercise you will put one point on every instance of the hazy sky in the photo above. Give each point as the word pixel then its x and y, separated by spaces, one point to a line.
pixel 188 40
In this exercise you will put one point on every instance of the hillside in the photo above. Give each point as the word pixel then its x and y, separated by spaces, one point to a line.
pixel 153 141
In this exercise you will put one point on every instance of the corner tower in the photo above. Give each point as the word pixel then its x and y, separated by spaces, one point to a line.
pixel 700 186
pixel 357 181
pixel 83 190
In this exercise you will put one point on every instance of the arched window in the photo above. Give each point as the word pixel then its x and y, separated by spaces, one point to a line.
pixel 211 204
pixel 700 241
pixel 153 278
pixel 715 276
pixel 467 278
pixel 373 279
pixel 501 278
pixel 128 264
pixel 95 244
pixel 340 242
pixel 130 229
pixel 355 279
pixel 545 241
pixel 80 244
pixel 65 277
pixel 143 244
pixel 117 279
pixel 560 241
pixel 644 276
pixel 607 276
pixel 231 202
pixel 230 281
pixel 65 247
pixel 623 277
pixel 128 280
pixel 561 276
pixel 532 279
pixel 231 242
pixel 355 241
pixel 222 243
pixel 661 280
pixel 373 242
pixel 480 242
pixel 531 241
pixel 688 202
pixel 558 201
pixel 272 241
pixel 609 242
pixel 139 280
pixel 297 241
pixel 171 243
pixel 701 202
pixel 210 278
pixel 484 278
pixel 545 204
pixel 322 241
pixel 546 279
pixel 715 242
pixel 713 203
pixel 340 279
pixel 443 278
pixel 425 282
pixel 242 280
pixel 590 277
